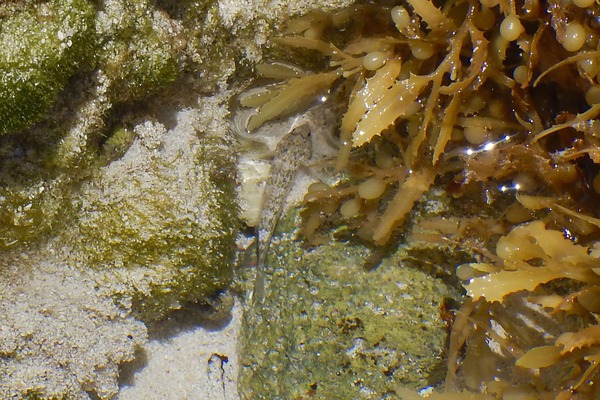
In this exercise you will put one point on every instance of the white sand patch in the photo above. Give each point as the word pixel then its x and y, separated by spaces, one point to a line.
pixel 187 361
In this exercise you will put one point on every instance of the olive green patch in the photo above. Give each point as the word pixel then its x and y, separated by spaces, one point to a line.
pixel 329 329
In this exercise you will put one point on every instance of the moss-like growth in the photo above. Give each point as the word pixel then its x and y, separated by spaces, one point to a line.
pixel 161 219
pixel 42 46
pixel 151 229
pixel 116 145
pixel 140 46
pixel 329 329
pixel 32 195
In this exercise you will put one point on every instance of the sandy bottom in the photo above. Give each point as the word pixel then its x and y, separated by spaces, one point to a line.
pixel 186 357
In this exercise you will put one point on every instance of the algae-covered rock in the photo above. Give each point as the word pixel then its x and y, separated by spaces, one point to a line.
pixel 147 232
pixel 115 205
pixel 329 329
pixel 159 222
pixel 140 48
pixel 41 46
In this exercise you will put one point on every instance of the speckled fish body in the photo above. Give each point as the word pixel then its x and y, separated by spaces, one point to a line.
pixel 292 152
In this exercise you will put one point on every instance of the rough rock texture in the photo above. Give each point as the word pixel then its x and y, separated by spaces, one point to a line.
pixel 60 337
pixel 116 185
pixel 174 52
pixel 329 329
pixel 42 46
pixel 160 221
pixel 149 231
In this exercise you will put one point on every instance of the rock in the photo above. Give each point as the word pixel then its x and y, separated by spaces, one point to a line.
pixel 159 223
pixel 330 329
pixel 43 44
pixel 117 199
pixel 150 231
pixel 60 337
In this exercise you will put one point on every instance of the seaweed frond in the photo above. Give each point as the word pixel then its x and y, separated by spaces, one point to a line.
pixel 522 248
pixel 499 104
pixel 292 97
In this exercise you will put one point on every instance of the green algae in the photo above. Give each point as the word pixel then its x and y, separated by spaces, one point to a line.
pixel 32 194
pixel 329 329
pixel 139 49
pixel 161 225
pixel 42 45
pixel 64 66
pixel 116 145
pixel 92 216
pixel 49 49
pixel 148 230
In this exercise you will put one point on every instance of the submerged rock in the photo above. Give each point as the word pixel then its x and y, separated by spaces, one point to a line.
pixel 43 44
pixel 330 329
pixel 150 231
pixel 159 223
pixel 117 200
pixel 60 336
